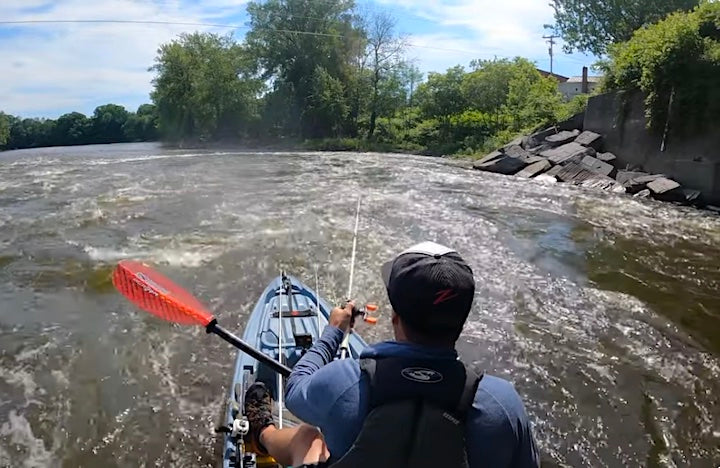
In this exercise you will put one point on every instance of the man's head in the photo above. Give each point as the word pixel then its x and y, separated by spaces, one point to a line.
pixel 431 290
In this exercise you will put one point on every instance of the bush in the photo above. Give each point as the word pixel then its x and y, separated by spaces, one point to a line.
pixel 677 58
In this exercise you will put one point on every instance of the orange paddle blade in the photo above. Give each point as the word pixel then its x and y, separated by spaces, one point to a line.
pixel 154 293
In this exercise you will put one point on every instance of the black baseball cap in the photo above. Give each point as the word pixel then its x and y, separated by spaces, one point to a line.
pixel 430 287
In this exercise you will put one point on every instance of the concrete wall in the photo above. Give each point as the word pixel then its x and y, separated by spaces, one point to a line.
pixel 692 161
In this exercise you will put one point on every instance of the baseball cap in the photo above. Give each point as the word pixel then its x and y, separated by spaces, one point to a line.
pixel 430 287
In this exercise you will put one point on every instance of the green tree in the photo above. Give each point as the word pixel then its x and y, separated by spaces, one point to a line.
pixel 107 124
pixel 441 95
pixel 292 39
pixel 412 77
pixel 676 60
pixel 204 88
pixel 142 125
pixel 592 25
pixel 327 106
pixel 72 129
pixel 4 129
pixel 385 50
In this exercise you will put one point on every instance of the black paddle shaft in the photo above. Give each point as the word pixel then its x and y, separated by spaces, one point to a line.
pixel 281 369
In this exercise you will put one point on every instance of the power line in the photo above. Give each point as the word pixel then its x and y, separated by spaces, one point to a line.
pixel 211 25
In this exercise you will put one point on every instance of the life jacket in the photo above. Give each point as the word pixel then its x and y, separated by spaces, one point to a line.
pixel 417 412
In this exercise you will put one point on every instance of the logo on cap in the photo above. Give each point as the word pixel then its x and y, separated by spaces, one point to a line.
pixel 422 375
pixel 444 295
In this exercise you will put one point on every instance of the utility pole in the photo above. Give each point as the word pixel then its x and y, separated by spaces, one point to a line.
pixel 551 41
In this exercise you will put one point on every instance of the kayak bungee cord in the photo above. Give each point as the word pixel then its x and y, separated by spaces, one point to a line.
pixel 346 338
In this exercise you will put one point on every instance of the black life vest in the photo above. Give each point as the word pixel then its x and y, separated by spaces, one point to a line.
pixel 417 412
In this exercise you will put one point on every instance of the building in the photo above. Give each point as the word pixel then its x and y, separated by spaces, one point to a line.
pixel 558 78
pixel 578 85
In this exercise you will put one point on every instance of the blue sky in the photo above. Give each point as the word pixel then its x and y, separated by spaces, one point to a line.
pixel 51 69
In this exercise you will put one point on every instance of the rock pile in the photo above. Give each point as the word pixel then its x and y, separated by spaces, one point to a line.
pixel 575 157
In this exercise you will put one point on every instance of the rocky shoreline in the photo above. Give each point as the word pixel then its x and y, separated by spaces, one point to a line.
pixel 573 156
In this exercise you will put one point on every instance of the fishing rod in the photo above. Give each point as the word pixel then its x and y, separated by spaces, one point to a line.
pixel 346 338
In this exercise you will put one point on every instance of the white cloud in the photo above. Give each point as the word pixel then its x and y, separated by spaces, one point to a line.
pixel 50 69
pixel 483 29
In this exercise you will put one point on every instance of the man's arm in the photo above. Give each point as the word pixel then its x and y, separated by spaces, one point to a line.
pixel 316 381
pixel 322 352
pixel 499 433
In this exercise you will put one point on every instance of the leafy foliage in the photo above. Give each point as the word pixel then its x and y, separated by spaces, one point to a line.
pixel 593 25
pixel 109 124
pixel 4 128
pixel 204 88
pixel 677 58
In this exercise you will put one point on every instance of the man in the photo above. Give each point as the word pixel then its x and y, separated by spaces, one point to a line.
pixel 411 392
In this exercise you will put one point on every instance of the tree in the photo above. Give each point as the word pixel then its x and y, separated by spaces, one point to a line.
pixel 4 128
pixel 412 76
pixel 292 39
pixel 327 104
pixel 676 64
pixel 441 95
pixel 72 129
pixel 486 88
pixel 385 50
pixel 204 87
pixel 142 125
pixel 107 124
pixel 592 25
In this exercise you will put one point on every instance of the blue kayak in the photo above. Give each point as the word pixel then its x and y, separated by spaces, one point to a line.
pixel 286 304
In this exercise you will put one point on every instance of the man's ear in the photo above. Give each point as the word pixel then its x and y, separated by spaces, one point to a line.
pixel 395 318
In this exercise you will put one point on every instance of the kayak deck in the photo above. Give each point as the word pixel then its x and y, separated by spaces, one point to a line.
pixel 280 323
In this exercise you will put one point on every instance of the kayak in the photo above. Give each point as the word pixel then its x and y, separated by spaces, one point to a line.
pixel 288 305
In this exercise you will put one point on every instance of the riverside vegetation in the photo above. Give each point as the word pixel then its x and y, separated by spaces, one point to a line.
pixel 325 74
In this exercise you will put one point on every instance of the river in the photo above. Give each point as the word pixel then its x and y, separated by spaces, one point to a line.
pixel 603 310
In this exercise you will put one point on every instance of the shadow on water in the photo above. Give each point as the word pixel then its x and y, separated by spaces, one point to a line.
pixel 680 281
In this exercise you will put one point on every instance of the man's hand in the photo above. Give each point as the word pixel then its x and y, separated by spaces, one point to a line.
pixel 342 318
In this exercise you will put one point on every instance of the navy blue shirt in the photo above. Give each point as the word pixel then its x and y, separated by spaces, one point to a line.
pixel 330 394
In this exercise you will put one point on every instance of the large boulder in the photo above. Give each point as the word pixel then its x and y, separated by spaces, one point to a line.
pixel 590 139
pixel 571 152
pixel 516 151
pixel 626 176
pixel 516 142
pixel 505 164
pixel 562 138
pixel 490 157
pixel 535 169
pixel 597 166
pixel 538 139
pixel 636 182
pixel 574 172
pixel 606 157
pixel 662 185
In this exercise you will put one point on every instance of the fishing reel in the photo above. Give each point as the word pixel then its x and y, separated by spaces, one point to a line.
pixel 364 314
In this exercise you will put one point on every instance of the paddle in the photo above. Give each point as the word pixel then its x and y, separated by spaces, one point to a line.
pixel 155 293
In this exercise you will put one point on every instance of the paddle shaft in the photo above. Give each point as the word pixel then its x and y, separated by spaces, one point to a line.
pixel 281 369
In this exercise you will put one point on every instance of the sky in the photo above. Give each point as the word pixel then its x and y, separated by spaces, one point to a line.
pixel 47 70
